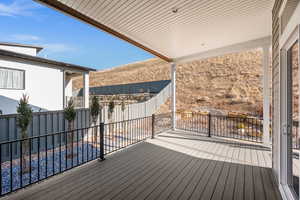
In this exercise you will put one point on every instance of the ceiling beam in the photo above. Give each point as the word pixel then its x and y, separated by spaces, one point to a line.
pixel 264 42
pixel 72 12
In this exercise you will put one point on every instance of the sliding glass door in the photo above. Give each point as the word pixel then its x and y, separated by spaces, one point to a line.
pixel 289 117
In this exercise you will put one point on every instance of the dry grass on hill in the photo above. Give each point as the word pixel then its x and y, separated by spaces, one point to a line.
pixel 231 82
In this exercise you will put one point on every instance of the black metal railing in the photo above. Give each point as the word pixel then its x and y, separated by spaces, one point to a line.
pixel 30 160
pixel 122 134
pixel 238 127
pixel 162 122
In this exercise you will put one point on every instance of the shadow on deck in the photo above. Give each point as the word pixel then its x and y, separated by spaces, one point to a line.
pixel 175 165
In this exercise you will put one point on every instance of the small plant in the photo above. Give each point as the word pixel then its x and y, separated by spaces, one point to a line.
pixel 95 109
pixel 23 120
pixel 70 115
pixel 241 126
pixel 111 107
pixel 123 107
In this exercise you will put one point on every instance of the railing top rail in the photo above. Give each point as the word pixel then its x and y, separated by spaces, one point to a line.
pixel 139 118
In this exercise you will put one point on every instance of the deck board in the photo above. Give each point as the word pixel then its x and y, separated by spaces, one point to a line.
pixel 175 165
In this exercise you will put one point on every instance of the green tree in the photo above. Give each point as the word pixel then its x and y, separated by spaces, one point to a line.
pixel 23 120
pixel 70 115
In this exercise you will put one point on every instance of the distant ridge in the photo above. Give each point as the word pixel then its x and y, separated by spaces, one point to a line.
pixel 232 82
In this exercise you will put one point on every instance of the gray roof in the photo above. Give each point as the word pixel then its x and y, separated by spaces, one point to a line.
pixel 38 48
pixel 44 60
pixel 131 88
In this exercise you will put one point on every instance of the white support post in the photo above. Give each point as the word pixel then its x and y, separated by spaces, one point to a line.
pixel 173 96
pixel 266 96
pixel 64 89
pixel 86 91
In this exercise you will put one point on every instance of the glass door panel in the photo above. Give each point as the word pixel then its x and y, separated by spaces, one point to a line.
pixel 293 64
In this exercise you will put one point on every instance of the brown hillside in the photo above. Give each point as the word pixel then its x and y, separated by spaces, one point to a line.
pixel 231 82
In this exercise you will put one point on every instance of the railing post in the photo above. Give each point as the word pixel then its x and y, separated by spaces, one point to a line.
pixel 153 126
pixel 102 141
pixel 209 125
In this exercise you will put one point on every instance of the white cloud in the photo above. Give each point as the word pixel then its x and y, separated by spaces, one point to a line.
pixel 25 37
pixel 18 8
pixel 57 47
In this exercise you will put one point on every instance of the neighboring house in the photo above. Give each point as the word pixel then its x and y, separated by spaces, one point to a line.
pixel 48 83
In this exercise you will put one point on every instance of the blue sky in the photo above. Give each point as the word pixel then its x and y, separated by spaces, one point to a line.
pixel 64 38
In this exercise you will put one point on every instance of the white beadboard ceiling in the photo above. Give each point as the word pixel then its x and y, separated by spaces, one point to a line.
pixel 197 26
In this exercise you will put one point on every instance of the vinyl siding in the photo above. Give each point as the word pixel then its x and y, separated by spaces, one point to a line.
pixel 275 85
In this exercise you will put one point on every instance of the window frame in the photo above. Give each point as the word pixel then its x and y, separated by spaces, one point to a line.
pixel 284 180
pixel 24 76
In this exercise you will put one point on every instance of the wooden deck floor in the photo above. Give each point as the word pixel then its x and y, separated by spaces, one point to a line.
pixel 175 165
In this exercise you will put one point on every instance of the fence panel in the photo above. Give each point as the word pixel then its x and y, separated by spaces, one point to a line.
pixel 42 123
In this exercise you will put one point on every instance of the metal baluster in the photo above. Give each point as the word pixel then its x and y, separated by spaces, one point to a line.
pixel 53 154
pixel 39 140
pixel 46 149
pixel 87 145
pixel 60 135
pixel 11 169
pixel 72 146
pixel 30 170
pixel 82 146
pixel 0 169
pixel 77 147
pixel 21 164
pixel 66 150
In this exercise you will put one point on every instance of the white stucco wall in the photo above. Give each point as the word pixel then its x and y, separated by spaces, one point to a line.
pixel 24 50
pixel 43 84
pixel 68 87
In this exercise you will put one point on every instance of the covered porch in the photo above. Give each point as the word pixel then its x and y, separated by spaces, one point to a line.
pixel 174 165
pixel 179 31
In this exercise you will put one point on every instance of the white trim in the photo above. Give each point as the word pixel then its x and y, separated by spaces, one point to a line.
pixel 64 88
pixel 264 42
pixel 285 181
pixel 266 96
pixel 290 27
pixel 282 7
pixel 86 91
pixel 173 96
pixel 286 193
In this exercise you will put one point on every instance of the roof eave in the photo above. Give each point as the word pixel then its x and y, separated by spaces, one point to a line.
pixel 72 12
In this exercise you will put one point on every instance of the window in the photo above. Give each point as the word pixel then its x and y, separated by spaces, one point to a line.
pixel 12 79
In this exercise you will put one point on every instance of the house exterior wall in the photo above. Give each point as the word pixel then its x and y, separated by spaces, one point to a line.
pixel 25 50
pixel 275 87
pixel 43 84
pixel 68 87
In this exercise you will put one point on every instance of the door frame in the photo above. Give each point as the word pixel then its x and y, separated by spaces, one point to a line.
pixel 285 160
